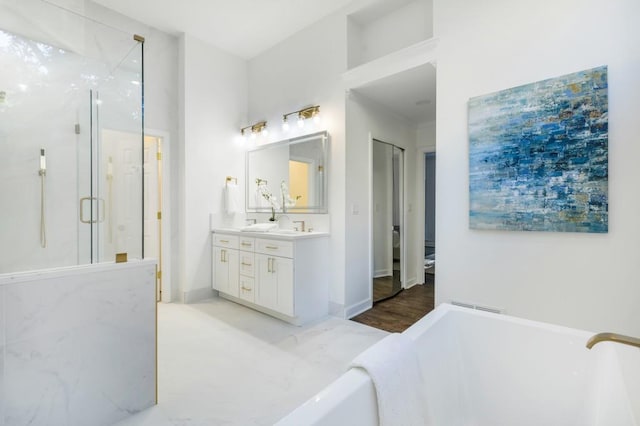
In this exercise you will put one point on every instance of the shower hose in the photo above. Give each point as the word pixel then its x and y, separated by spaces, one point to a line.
pixel 43 229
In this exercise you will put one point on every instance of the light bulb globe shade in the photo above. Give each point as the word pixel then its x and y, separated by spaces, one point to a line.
pixel 285 126
pixel 264 132
pixel 317 119
pixel 300 122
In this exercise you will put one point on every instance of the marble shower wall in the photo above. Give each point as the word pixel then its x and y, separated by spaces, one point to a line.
pixel 62 85
pixel 77 345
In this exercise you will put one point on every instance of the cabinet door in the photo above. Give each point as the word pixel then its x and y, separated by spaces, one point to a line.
pixel 274 285
pixel 225 270
pixel 231 258
pixel 266 289
pixel 283 269
pixel 220 270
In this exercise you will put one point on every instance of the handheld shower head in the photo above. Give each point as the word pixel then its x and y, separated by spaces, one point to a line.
pixel 43 161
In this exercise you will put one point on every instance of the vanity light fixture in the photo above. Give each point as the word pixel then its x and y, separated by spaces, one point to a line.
pixel 259 127
pixel 303 114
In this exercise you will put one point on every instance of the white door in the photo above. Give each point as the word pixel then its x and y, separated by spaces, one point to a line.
pixel 121 178
pixel 152 215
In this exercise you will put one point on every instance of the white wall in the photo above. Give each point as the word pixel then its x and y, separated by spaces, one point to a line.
pixel 212 109
pixel 306 70
pixel 587 281
pixel 426 138
pixel 366 120
pixel 396 30
pixel 387 27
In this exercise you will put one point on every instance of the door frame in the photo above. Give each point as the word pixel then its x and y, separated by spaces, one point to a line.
pixel 167 285
pixel 403 215
pixel 420 189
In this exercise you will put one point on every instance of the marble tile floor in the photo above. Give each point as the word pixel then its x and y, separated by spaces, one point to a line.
pixel 220 363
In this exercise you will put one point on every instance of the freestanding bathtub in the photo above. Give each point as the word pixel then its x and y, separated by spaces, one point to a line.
pixel 486 369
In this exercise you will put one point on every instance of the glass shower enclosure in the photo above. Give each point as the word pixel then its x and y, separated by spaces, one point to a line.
pixel 71 138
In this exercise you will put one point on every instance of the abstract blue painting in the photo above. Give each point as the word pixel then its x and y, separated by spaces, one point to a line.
pixel 538 156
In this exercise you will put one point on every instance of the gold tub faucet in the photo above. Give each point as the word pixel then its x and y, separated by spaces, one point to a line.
pixel 613 337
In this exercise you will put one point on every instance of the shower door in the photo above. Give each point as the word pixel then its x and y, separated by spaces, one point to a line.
pixel 64 80
pixel 111 199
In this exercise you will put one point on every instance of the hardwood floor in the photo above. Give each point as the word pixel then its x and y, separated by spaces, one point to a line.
pixel 398 313
pixel 385 287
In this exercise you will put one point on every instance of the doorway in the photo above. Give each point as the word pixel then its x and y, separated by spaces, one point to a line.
pixel 430 212
pixel 387 220
pixel 430 217
pixel 121 155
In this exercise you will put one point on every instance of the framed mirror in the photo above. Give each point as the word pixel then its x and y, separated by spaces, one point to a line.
pixel 297 165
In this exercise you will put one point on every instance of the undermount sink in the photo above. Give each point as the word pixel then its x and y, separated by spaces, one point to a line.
pixel 285 231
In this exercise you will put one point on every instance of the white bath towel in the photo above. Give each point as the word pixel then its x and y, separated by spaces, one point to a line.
pixel 393 366
pixel 231 198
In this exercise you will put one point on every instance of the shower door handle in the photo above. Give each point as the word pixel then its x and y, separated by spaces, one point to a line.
pixel 101 209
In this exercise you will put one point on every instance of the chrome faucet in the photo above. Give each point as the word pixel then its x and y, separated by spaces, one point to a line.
pixel 301 222
pixel 613 337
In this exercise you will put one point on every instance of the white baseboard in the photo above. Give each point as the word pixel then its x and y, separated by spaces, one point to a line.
pixel 358 308
pixel 411 282
pixel 197 295
pixel 383 273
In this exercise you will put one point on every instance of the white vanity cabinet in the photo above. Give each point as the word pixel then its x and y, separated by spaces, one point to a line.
pixel 283 275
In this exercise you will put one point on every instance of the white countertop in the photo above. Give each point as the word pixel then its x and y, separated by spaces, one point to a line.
pixel 277 234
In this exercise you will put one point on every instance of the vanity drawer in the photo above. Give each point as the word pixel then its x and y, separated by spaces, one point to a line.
pixel 222 240
pixel 247 261
pixel 274 247
pixel 247 290
pixel 247 244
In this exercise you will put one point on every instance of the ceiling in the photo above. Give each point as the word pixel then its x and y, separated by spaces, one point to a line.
pixel 248 27
pixel 411 93
pixel 242 27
